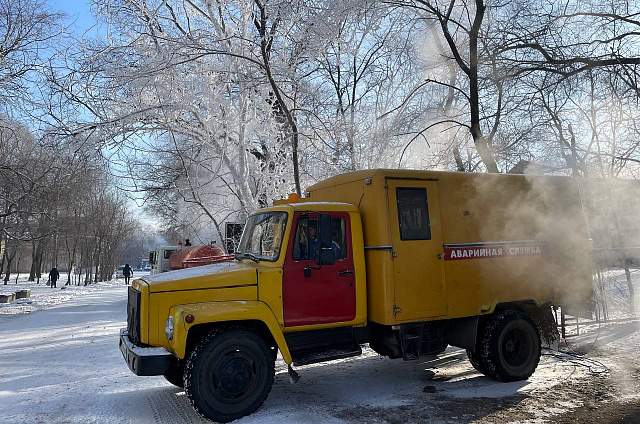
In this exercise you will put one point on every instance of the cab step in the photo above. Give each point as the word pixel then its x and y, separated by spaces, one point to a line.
pixel 306 358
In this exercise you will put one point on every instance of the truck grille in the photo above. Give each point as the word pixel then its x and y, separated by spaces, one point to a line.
pixel 133 315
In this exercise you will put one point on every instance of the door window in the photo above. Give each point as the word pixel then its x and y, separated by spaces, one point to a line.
pixel 305 241
pixel 413 213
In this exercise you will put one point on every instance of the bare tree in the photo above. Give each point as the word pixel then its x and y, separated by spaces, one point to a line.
pixel 27 28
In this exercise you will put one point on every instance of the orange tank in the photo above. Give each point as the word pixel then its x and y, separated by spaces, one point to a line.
pixel 187 257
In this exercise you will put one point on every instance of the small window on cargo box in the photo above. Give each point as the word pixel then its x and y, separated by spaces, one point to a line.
pixel 413 213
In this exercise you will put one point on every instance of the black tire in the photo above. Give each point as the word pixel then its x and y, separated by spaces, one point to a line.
pixel 175 373
pixel 439 351
pixel 229 374
pixel 475 361
pixel 474 356
pixel 510 349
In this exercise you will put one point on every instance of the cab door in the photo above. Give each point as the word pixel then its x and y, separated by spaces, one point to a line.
pixel 318 294
pixel 416 234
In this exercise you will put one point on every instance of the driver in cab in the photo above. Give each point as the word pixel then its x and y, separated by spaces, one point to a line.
pixel 308 243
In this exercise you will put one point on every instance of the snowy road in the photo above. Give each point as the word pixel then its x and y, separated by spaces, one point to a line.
pixel 62 365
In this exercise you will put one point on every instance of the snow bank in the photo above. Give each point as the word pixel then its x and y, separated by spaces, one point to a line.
pixel 43 296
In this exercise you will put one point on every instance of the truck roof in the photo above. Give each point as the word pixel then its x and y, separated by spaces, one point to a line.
pixel 412 174
pixel 312 207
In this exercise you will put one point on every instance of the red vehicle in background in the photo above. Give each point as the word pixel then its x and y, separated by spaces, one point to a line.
pixel 170 258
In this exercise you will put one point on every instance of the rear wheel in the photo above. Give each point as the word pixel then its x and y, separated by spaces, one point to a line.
pixel 510 347
pixel 474 356
pixel 475 361
pixel 229 374
pixel 439 351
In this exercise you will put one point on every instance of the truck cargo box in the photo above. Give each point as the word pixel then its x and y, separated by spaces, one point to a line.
pixel 448 245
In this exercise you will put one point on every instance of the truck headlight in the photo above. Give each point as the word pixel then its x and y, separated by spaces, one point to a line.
pixel 168 328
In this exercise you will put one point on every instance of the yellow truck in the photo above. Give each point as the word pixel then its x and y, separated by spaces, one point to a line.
pixel 406 261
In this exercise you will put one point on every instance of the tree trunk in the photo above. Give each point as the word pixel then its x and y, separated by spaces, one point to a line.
pixel 70 270
pixel 8 269
pixel 3 260
pixel 458 158
pixel 39 254
pixel 602 294
pixel 18 267
pixel 291 125
pixel 474 99
pixel 627 273
pixel 32 271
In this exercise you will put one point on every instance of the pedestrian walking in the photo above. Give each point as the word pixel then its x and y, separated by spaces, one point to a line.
pixel 53 276
pixel 127 272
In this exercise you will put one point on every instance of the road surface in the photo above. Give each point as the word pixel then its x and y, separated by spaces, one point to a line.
pixel 62 365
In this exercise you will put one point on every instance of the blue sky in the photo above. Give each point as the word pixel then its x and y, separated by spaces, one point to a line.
pixel 81 22
pixel 79 14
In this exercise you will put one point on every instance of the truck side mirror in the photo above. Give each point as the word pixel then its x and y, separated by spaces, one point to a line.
pixel 152 258
pixel 325 255
pixel 324 230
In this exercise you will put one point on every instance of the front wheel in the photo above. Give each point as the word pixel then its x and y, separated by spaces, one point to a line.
pixel 229 374
pixel 175 373
pixel 510 347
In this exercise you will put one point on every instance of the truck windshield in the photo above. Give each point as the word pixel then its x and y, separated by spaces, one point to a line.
pixel 262 236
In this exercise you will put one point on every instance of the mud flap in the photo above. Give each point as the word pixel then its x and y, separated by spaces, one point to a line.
pixel 294 377
pixel 463 332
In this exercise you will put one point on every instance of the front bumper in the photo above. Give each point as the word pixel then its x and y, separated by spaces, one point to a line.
pixel 143 360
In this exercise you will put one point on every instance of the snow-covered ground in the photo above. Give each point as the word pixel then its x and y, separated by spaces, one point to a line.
pixel 44 296
pixel 60 363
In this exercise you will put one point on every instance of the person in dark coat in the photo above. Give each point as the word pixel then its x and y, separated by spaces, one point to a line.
pixel 308 250
pixel 53 276
pixel 127 272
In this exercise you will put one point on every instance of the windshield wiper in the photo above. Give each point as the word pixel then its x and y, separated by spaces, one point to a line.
pixel 253 257
pixel 243 255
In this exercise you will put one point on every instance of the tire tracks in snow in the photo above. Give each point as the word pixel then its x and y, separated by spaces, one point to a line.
pixel 172 407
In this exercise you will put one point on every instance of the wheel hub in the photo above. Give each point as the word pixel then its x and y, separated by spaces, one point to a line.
pixel 515 347
pixel 234 375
